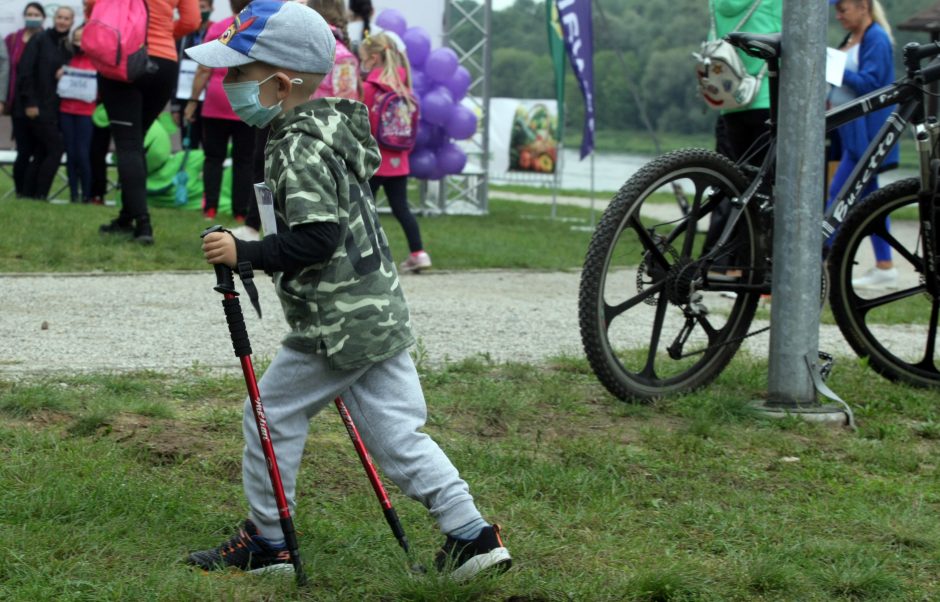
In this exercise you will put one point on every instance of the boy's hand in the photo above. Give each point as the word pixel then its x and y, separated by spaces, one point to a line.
pixel 219 247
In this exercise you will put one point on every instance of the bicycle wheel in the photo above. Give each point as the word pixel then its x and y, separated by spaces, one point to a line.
pixel 651 322
pixel 896 327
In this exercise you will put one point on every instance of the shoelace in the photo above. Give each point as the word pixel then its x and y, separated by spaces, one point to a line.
pixel 239 541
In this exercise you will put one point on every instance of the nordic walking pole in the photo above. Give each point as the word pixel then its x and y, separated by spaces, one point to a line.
pixel 391 517
pixel 225 284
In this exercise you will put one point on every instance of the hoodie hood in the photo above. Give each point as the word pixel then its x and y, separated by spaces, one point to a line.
pixel 341 124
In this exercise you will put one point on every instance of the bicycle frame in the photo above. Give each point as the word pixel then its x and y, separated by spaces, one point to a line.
pixel 907 93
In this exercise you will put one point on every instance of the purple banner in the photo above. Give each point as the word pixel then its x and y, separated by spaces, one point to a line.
pixel 575 17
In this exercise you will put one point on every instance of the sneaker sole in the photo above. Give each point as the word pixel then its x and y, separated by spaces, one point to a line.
pixel 497 557
pixel 273 569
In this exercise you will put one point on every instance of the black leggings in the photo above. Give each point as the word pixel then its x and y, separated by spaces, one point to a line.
pixel 396 190
pixel 215 137
pixel 132 108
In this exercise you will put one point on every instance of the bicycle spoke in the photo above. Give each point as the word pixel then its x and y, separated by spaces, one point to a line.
pixel 612 311
pixel 928 363
pixel 895 244
pixel 649 370
pixel 692 222
pixel 866 305
pixel 647 241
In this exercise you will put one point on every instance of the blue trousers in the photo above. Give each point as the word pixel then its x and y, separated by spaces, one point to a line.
pixel 77 132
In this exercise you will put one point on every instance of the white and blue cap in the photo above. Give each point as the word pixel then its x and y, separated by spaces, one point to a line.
pixel 289 35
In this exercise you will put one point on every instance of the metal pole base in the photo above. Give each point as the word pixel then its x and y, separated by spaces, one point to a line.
pixel 824 414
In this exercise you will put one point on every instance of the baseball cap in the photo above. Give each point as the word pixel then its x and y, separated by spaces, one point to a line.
pixel 289 35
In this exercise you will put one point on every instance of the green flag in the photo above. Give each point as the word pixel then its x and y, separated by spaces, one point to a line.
pixel 556 46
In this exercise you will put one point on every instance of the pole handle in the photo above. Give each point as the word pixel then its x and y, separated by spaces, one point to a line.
pixel 224 277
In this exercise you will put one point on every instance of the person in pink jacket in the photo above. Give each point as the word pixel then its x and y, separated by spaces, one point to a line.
pixel 386 68
pixel 343 79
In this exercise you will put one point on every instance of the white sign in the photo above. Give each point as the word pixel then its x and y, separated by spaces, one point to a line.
pixel 523 136
pixel 184 82
pixel 835 66
pixel 78 84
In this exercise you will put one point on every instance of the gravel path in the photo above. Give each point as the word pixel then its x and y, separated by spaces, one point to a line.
pixel 172 321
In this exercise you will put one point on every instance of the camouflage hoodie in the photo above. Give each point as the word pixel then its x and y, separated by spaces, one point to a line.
pixel 318 160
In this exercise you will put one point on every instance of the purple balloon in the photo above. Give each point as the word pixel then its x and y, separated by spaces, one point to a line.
pixel 437 105
pixel 459 83
pixel 441 64
pixel 451 159
pixel 392 20
pixel 423 163
pixel 420 83
pixel 418 45
pixel 462 123
pixel 428 136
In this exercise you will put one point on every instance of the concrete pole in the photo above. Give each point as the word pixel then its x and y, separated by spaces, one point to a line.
pixel 798 210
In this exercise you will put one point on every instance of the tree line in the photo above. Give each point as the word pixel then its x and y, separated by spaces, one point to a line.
pixel 642 49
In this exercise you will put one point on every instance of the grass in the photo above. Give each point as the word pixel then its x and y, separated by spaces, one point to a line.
pixel 40 237
pixel 110 479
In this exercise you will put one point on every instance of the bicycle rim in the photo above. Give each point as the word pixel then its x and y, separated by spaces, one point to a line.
pixel 895 325
pixel 634 301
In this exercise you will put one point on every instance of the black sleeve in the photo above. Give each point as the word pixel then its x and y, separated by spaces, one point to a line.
pixel 291 250
pixel 26 72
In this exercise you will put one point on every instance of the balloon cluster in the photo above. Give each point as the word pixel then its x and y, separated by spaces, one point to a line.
pixel 440 83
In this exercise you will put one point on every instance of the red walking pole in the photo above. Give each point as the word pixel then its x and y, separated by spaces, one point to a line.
pixel 225 284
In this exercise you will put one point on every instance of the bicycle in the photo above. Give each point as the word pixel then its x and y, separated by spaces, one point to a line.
pixel 646 268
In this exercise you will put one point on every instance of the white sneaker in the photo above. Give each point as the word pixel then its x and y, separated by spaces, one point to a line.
pixel 876 277
pixel 246 233
pixel 415 262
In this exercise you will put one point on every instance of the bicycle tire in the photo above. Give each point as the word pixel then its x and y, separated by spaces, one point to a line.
pixel 859 312
pixel 712 176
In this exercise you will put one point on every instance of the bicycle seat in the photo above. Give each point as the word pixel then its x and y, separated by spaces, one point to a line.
pixel 762 46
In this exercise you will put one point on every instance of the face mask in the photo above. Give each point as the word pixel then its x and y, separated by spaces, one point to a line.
pixel 205 15
pixel 245 98
pixel 33 23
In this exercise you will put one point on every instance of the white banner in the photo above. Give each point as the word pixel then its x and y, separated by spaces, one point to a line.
pixel 523 136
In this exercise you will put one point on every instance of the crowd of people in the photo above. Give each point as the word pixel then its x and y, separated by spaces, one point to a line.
pixel 48 99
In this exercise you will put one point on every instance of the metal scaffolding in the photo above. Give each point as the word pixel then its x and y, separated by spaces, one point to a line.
pixel 467 192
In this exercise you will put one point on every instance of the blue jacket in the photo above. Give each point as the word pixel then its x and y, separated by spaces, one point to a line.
pixel 875 70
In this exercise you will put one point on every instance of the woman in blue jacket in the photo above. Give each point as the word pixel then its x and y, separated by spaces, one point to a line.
pixel 869 66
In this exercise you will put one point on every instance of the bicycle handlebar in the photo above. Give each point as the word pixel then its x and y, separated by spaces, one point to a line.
pixel 914 53
pixel 931 73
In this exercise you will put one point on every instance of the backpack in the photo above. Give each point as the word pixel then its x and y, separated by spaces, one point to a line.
pixel 115 39
pixel 723 81
pixel 397 121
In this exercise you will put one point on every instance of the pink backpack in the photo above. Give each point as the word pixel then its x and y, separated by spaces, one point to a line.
pixel 115 38
pixel 398 121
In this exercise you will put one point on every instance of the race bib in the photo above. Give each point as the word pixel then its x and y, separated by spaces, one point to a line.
pixel 78 84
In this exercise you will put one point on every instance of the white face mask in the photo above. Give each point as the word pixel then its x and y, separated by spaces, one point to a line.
pixel 245 98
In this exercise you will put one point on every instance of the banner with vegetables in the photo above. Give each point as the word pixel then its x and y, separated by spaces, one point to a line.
pixel 523 136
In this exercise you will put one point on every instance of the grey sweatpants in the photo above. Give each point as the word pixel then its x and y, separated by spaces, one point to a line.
pixel 388 408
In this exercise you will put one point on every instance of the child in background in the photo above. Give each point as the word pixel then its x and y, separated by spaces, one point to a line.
pixel 341 295
pixel 77 129
pixel 343 79
pixel 386 68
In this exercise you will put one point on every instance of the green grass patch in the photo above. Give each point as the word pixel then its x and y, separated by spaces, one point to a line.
pixel 42 237
pixel 690 498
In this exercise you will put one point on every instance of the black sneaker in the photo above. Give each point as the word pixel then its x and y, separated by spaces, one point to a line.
pixel 117 226
pixel 246 551
pixel 465 558
pixel 143 232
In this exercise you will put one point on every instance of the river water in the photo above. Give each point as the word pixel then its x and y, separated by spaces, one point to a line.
pixel 611 170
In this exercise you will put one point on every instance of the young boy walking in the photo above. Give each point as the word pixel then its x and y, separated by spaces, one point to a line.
pixel 333 272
